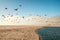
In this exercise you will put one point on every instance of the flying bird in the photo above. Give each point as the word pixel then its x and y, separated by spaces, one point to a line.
pixel 23 17
pixel 11 15
pixel 45 15
pixel 6 8
pixel 20 5
pixel 37 15
pixel 8 14
pixel 3 16
pixel 16 9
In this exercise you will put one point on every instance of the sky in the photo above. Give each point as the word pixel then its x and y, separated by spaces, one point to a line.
pixel 30 7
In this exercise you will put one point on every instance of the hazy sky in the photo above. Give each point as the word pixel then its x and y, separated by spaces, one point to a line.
pixel 30 7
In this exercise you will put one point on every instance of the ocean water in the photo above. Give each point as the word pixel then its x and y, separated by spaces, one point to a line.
pixel 49 33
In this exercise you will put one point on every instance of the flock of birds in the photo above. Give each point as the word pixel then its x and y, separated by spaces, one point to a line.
pixel 16 9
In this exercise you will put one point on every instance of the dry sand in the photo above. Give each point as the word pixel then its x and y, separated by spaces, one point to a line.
pixel 18 32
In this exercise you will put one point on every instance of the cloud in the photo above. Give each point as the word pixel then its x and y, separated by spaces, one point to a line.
pixel 31 20
pixel 16 20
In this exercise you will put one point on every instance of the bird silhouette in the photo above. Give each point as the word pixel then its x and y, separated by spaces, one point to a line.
pixel 3 16
pixel 16 9
pixel 8 14
pixel 23 17
pixel 45 15
pixel 20 5
pixel 6 8
pixel 37 15
pixel 11 15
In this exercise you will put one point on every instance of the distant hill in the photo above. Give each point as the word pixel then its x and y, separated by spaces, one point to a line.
pixel 54 21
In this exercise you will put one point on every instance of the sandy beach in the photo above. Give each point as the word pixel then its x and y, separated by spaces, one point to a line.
pixel 18 32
